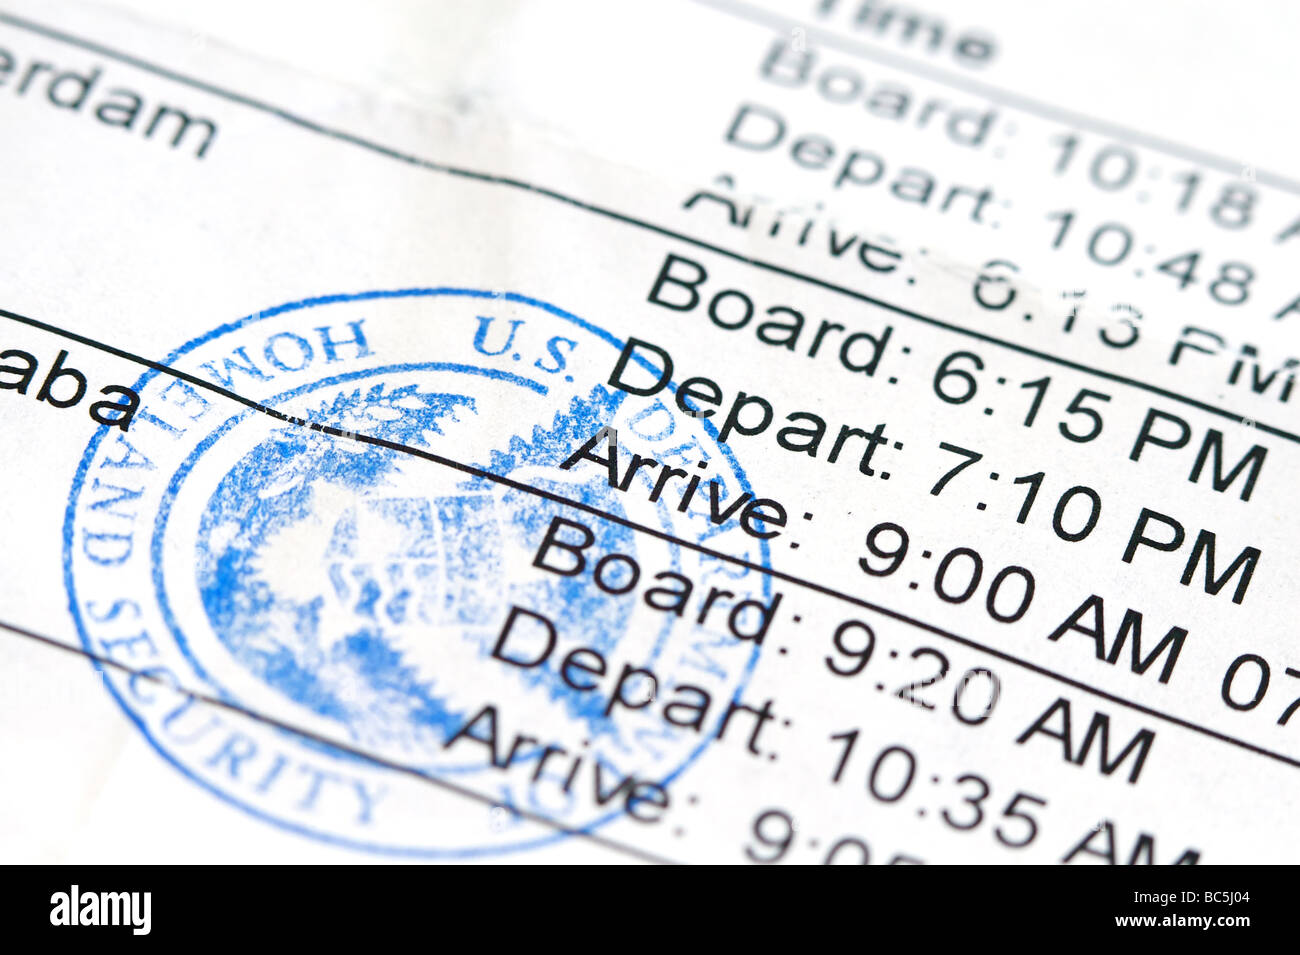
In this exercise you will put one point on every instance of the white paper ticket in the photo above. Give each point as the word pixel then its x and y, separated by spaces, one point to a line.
pixel 723 432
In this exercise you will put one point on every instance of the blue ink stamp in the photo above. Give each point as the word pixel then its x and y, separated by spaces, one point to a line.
pixel 359 592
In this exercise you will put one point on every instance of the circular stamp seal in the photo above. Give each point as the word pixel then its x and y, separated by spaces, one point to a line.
pixel 377 588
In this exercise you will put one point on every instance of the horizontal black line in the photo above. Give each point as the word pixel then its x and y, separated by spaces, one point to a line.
pixel 996 94
pixel 661 535
pixel 377 760
pixel 611 214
